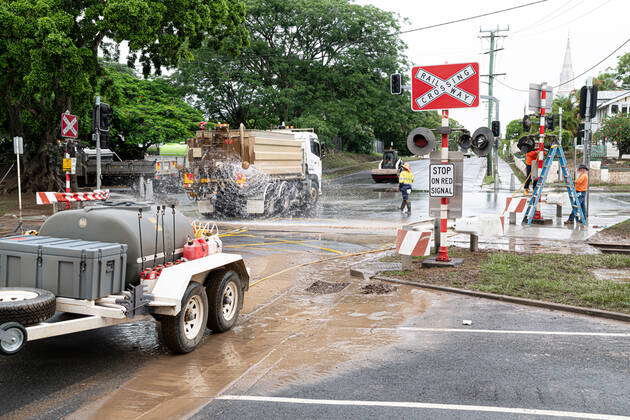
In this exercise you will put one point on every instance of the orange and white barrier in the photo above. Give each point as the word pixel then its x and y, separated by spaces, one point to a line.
pixel 65 197
pixel 515 204
pixel 413 242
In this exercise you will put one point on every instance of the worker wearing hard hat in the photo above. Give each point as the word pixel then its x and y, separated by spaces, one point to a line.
pixel 581 186
pixel 405 180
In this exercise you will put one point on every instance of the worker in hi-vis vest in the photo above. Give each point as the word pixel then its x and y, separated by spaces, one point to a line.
pixel 581 187
pixel 405 180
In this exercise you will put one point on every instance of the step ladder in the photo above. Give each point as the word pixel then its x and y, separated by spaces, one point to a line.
pixel 556 149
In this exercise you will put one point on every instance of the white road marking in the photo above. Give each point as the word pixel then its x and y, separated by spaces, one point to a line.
pixel 466 330
pixel 457 407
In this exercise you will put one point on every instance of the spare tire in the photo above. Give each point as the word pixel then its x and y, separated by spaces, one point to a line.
pixel 25 305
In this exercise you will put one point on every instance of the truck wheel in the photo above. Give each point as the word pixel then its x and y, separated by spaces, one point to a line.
pixel 183 332
pixel 225 294
pixel 26 305
pixel 13 338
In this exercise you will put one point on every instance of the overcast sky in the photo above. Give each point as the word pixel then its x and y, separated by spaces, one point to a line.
pixel 533 51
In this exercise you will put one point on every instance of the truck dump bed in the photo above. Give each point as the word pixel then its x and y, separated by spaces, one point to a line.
pixel 271 152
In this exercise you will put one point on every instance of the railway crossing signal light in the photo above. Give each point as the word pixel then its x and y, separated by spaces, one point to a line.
pixel 580 134
pixel 526 144
pixel 482 140
pixel 550 121
pixel 395 84
pixel 527 123
pixel 421 141
pixel 496 128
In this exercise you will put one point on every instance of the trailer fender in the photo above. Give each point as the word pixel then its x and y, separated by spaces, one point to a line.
pixel 168 290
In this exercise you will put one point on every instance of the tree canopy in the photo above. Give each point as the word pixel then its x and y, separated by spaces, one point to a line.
pixel 617 130
pixel 310 63
pixel 146 112
pixel 49 58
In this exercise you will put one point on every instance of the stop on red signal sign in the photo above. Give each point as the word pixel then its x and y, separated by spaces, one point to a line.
pixel 445 86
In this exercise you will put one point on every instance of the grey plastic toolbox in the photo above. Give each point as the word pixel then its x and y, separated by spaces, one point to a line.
pixel 66 267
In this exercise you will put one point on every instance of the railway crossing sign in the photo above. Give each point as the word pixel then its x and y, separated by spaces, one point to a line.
pixel 445 86
pixel 69 126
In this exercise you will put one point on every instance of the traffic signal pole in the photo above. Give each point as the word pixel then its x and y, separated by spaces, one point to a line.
pixel 97 133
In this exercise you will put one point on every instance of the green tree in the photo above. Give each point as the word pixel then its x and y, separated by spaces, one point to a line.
pixel 311 63
pixel 606 81
pixel 49 58
pixel 146 112
pixel 570 113
pixel 617 130
pixel 514 130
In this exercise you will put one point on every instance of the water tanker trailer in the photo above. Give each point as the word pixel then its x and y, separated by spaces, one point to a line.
pixel 117 263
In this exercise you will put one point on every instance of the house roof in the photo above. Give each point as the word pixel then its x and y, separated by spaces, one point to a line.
pixel 610 97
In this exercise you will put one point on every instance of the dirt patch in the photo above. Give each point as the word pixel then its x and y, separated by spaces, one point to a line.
pixel 326 288
pixel 616 234
pixel 377 289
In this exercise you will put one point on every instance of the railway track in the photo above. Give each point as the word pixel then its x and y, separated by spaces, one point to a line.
pixel 608 248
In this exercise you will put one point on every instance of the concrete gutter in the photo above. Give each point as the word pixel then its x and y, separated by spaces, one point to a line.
pixel 522 301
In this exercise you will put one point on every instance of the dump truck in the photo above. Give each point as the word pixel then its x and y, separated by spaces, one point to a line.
pixel 253 172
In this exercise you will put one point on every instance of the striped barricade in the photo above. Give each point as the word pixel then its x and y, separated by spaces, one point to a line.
pixel 69 197
pixel 413 242
pixel 514 205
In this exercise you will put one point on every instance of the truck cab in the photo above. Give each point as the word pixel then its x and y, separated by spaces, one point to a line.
pixel 312 156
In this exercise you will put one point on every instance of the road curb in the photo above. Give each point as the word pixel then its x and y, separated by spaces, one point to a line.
pixel 523 301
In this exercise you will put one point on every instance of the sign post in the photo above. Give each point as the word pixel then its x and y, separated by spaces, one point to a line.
pixel 444 87
pixel 545 104
pixel 69 130
pixel 18 149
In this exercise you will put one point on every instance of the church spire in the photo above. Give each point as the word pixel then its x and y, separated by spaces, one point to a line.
pixel 567 73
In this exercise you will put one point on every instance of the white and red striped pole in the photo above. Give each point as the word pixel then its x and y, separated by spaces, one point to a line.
pixel 442 254
pixel 67 155
pixel 541 142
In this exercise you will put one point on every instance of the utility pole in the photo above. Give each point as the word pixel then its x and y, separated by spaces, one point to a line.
pixel 493 34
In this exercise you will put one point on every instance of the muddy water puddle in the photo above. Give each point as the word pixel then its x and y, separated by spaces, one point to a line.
pixel 290 336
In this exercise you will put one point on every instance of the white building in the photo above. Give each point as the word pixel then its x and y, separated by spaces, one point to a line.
pixel 609 103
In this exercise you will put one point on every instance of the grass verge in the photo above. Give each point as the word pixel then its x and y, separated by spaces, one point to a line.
pixel 565 279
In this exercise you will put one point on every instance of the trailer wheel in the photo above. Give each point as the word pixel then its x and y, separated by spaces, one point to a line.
pixel 183 332
pixel 225 294
pixel 26 305
pixel 12 338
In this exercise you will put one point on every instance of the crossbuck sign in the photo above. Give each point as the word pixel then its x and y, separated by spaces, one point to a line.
pixel 69 126
pixel 445 86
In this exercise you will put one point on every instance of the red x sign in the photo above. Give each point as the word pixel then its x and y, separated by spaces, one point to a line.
pixel 445 86
pixel 69 126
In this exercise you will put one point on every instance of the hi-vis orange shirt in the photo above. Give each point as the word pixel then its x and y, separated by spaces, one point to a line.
pixel 530 157
pixel 581 183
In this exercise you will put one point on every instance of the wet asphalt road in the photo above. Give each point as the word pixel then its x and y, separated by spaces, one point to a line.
pixel 583 374
pixel 365 353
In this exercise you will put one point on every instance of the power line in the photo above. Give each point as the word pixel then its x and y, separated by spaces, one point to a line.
pixel 469 18
pixel 562 25
pixel 510 87
pixel 549 17
pixel 595 65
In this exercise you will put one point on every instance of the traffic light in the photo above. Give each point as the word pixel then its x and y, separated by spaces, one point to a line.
pixel 102 115
pixel 527 123
pixel 580 134
pixel 106 117
pixel 584 92
pixel 395 84
pixel 496 128
pixel 464 141
pixel 482 140
pixel 549 121
pixel 420 141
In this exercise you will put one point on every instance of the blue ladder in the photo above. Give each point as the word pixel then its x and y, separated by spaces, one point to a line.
pixel 533 201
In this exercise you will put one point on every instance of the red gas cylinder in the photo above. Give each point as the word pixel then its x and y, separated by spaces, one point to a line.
pixel 193 250
pixel 204 246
